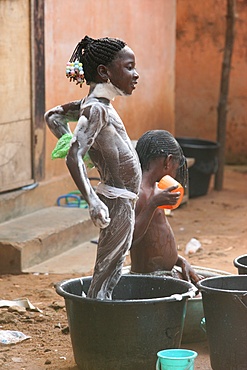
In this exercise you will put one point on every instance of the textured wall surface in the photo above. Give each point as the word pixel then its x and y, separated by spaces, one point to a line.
pixel 199 53
pixel 148 27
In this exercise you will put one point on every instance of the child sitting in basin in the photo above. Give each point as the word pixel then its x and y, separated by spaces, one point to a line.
pixel 153 247
pixel 108 66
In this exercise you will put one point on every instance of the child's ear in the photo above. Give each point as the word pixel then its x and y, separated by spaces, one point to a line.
pixel 168 161
pixel 102 72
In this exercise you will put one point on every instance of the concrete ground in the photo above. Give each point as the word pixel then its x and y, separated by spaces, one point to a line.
pixel 79 259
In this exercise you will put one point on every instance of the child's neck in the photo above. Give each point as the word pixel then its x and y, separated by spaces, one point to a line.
pixel 148 179
pixel 104 90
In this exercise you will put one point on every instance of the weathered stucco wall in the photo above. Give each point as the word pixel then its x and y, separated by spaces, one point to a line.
pixel 148 27
pixel 199 53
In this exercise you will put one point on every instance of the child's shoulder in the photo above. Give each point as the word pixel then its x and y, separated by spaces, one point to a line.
pixel 94 106
pixel 91 99
pixel 100 103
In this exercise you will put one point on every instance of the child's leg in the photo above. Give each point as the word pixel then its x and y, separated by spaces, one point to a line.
pixel 114 241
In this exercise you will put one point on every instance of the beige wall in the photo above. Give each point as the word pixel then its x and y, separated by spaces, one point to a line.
pixel 199 53
pixel 148 26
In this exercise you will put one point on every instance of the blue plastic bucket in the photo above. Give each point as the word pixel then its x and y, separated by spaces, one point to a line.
pixel 176 359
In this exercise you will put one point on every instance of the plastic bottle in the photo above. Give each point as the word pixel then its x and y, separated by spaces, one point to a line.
pixel 165 183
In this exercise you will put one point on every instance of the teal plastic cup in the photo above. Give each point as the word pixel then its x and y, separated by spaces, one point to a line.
pixel 176 359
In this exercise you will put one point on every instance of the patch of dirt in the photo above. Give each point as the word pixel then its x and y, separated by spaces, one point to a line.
pixel 217 220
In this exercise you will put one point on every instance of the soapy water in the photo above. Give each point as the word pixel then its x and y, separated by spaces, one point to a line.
pixel 83 294
pixel 114 243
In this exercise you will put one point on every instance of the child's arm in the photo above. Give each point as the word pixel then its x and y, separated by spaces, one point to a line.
pixel 58 117
pixel 188 272
pixel 87 130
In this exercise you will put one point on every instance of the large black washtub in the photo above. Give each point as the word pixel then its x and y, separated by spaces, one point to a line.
pixel 146 315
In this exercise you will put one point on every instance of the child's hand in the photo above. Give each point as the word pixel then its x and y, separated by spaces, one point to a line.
pixel 188 273
pixel 167 197
pixel 100 214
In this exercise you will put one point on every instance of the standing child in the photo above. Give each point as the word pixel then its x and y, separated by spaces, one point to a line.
pixel 108 66
pixel 154 248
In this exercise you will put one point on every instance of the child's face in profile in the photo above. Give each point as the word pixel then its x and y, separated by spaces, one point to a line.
pixel 176 169
pixel 173 169
pixel 122 72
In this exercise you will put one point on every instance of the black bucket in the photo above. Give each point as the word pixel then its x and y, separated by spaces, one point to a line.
pixel 225 306
pixel 241 264
pixel 193 331
pixel 205 153
pixel 145 316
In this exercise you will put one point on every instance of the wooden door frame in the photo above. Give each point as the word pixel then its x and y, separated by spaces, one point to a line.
pixel 37 29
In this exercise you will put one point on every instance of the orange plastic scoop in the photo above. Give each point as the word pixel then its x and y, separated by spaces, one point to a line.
pixel 165 183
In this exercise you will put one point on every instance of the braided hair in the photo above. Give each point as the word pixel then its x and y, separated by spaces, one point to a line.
pixel 161 143
pixel 96 52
